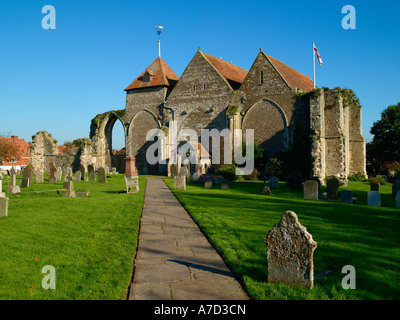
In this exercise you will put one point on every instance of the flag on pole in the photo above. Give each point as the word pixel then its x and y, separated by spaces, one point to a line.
pixel 318 55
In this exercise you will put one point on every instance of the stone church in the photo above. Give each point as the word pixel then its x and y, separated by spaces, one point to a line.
pixel 320 128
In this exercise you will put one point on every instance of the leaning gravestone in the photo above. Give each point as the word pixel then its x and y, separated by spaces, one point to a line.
pixel 92 175
pixel 346 196
pixel 3 207
pixel 78 176
pixel 374 199
pixel 290 250
pixel 398 200
pixel 311 190
pixel 173 170
pixel 180 183
pixel 13 188
pixel 101 174
pixel 395 187
pixel 273 182
pixel 53 171
pixel 332 187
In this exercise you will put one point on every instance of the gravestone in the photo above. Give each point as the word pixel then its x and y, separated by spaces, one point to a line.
pixel 183 171
pixel 78 176
pixel 107 170
pixel 3 207
pixel 92 175
pixel 208 185
pixel 332 187
pixel 395 187
pixel 69 186
pixel 59 174
pixel 101 175
pixel 180 183
pixel 28 173
pixel 266 191
pixel 39 176
pixel 83 172
pixel 174 170
pixel 68 173
pixel 2 194
pixel 196 176
pixel 311 190
pixel 295 181
pixel 346 196
pixel 26 183
pixel 374 186
pixel 53 171
pixel 13 188
pixel 113 170
pixel 224 185
pixel 374 199
pixel 398 200
pixel 273 182
pixel 290 250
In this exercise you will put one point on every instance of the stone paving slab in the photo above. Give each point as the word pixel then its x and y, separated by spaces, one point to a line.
pixel 174 259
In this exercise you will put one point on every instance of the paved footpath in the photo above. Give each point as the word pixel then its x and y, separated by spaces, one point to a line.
pixel 174 259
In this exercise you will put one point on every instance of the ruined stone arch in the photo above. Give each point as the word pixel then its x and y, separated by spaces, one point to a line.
pixel 270 126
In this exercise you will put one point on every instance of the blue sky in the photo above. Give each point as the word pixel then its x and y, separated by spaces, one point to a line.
pixel 58 80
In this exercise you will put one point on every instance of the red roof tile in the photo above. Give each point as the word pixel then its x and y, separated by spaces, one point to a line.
pixel 23 151
pixel 291 76
pixel 226 69
pixel 160 73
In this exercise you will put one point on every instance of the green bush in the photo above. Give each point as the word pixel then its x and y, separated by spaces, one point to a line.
pixel 357 177
pixel 228 171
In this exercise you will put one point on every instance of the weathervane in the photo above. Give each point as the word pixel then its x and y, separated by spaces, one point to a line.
pixel 159 29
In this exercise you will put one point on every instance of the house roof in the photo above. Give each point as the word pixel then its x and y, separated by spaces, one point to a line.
pixel 292 77
pixel 22 151
pixel 160 73
pixel 227 70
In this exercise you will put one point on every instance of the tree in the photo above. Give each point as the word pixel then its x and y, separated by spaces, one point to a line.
pixel 385 145
pixel 8 150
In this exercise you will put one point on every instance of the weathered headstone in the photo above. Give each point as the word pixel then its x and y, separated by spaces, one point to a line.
pixel 311 190
pixel 13 188
pixel 196 176
pixel 101 174
pixel 224 185
pixel 174 170
pixel 83 172
pixel 113 170
pixel 180 183
pixel 107 170
pixel 58 173
pixel 78 176
pixel 3 207
pixel 295 181
pixel 346 196
pixel 273 182
pixel 69 186
pixel 2 194
pixel 398 200
pixel 395 187
pixel 183 171
pixel 290 250
pixel 332 187
pixel 92 175
pixel 39 176
pixel 26 182
pixel 208 185
pixel 28 173
pixel 53 171
pixel 266 191
pixel 374 199
pixel 67 173
pixel 374 186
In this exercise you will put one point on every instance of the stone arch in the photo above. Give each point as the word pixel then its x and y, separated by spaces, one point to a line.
pixel 136 144
pixel 270 126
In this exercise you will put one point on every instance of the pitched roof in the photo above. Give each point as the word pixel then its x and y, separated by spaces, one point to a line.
pixel 160 73
pixel 291 76
pixel 21 150
pixel 226 69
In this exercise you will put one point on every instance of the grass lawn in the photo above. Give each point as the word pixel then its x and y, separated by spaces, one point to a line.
pixel 90 241
pixel 237 220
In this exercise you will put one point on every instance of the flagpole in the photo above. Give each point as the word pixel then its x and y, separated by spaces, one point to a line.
pixel 313 61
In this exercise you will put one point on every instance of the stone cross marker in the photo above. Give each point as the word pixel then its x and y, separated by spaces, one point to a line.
pixel 92 175
pixel 290 250
pixel 374 198
pixel 395 187
pixel 53 171
pixel 311 190
pixel 101 173
pixel 346 196
pixel 273 182
pixel 332 187
pixel 180 183
pixel 13 188
pixel 78 176
pixel 398 200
